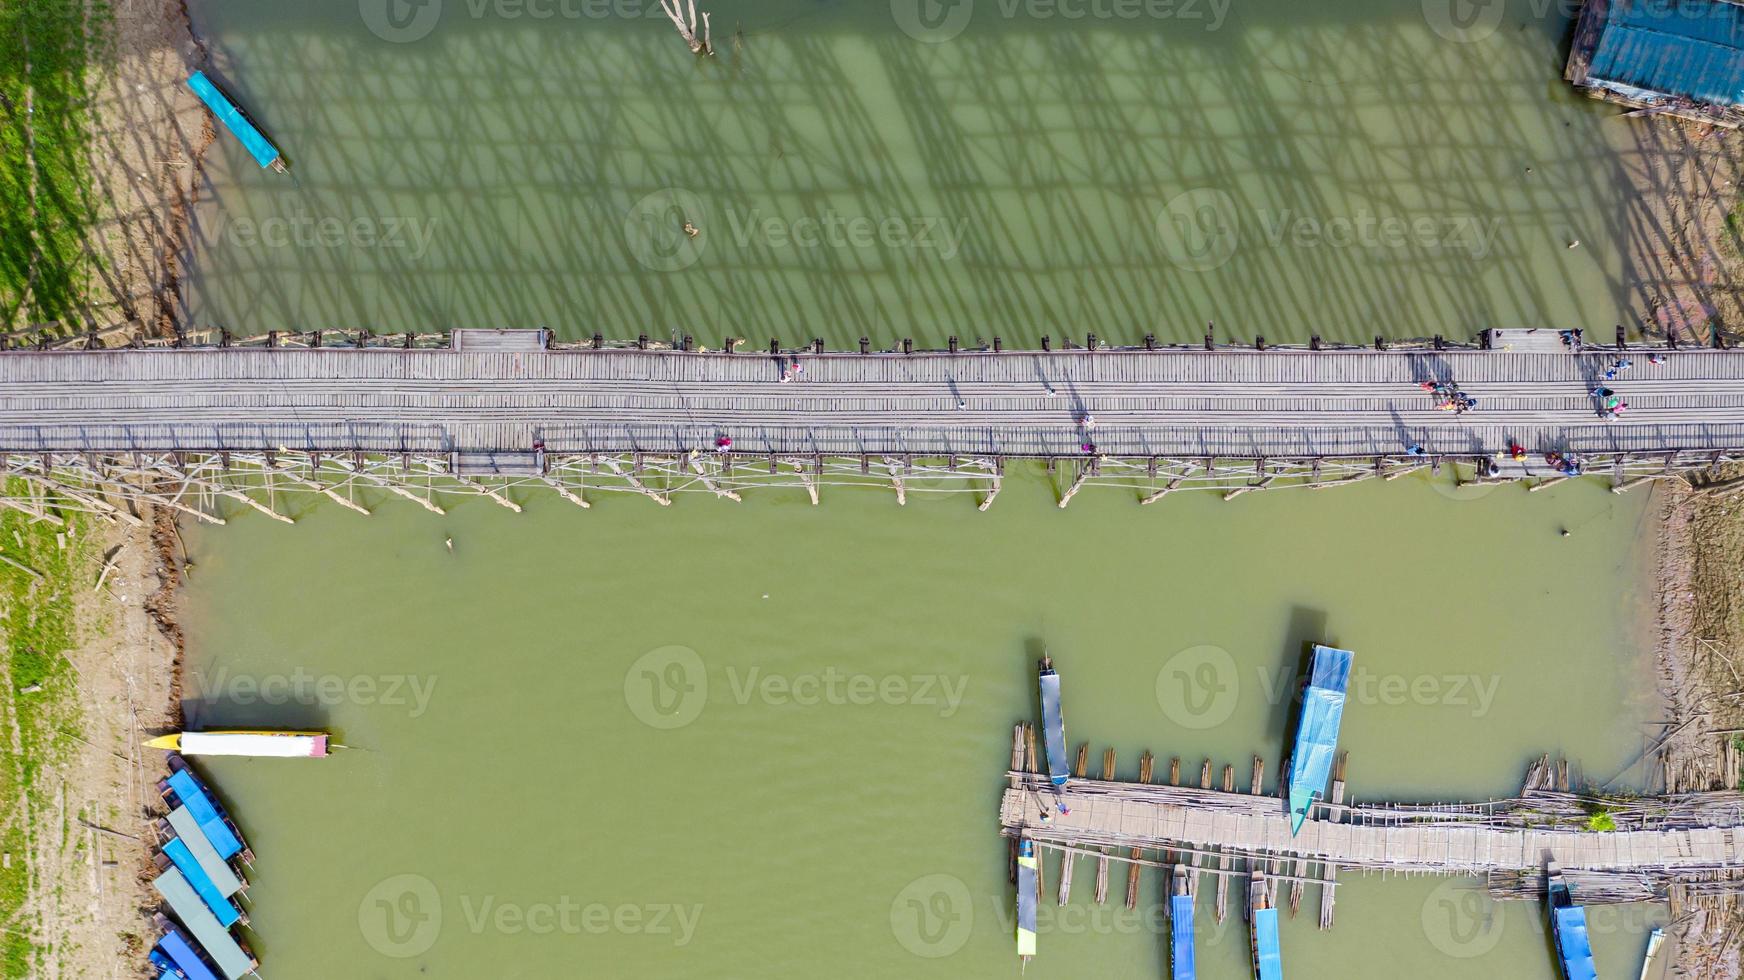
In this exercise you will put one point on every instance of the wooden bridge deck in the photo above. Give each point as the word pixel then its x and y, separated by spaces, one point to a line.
pixel 1169 817
pixel 1175 403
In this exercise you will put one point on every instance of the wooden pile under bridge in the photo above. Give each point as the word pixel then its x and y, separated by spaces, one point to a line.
pixel 1679 848
pixel 502 414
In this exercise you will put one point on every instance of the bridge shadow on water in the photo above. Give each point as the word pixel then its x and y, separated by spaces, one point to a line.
pixel 1287 173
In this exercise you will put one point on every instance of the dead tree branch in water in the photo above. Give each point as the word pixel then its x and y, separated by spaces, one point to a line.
pixel 699 42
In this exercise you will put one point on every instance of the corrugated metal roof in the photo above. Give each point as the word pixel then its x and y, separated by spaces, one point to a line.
pixel 1688 48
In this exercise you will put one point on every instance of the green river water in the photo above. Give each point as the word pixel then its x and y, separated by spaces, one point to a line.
pixel 766 739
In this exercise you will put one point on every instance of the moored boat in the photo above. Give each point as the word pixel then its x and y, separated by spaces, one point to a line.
pixel 225 109
pixel 1181 958
pixel 176 954
pixel 266 744
pixel 1568 922
pixel 1655 939
pixel 1317 730
pixel 1027 894
pixel 1268 961
pixel 1053 722
pixel 185 791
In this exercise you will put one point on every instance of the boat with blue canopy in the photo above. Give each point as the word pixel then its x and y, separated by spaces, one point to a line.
pixel 1268 957
pixel 183 788
pixel 185 831
pixel 176 853
pixel 1027 893
pixel 1568 921
pixel 1053 723
pixel 227 954
pixel 234 119
pixel 1181 928
pixel 1317 730
pixel 175 953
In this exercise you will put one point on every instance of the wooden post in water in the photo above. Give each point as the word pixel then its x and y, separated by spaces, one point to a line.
pixel 1102 861
pixel 1146 767
pixel 1066 855
pixel 1329 871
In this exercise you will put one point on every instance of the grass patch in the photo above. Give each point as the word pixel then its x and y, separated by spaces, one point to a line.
pixel 46 203
pixel 37 626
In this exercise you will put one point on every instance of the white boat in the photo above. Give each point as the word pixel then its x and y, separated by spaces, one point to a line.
pixel 277 745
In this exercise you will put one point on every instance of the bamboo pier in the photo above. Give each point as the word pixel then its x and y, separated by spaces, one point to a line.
pixel 1664 847
pixel 355 418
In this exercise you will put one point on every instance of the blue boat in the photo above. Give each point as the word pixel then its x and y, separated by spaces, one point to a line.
pixel 1268 958
pixel 1568 921
pixel 1027 893
pixel 234 119
pixel 1053 724
pixel 231 958
pixel 183 860
pixel 183 788
pixel 1181 928
pixel 175 952
pixel 1317 730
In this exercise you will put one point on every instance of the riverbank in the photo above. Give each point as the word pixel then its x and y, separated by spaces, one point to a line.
pixel 101 169
pixel 100 174
pixel 87 672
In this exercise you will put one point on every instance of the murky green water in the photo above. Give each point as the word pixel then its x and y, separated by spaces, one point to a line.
pixel 515 763
pixel 1280 168
pixel 764 739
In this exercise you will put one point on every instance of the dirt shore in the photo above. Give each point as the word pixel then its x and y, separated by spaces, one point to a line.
pixel 149 134
pixel 93 649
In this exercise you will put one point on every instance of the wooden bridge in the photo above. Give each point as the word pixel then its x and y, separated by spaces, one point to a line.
pixel 1681 846
pixel 490 411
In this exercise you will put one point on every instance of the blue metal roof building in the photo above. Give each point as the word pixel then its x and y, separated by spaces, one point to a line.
pixel 1682 57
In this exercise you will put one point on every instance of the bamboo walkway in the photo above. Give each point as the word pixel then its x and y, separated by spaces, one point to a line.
pixel 505 396
pixel 206 418
pixel 1684 847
